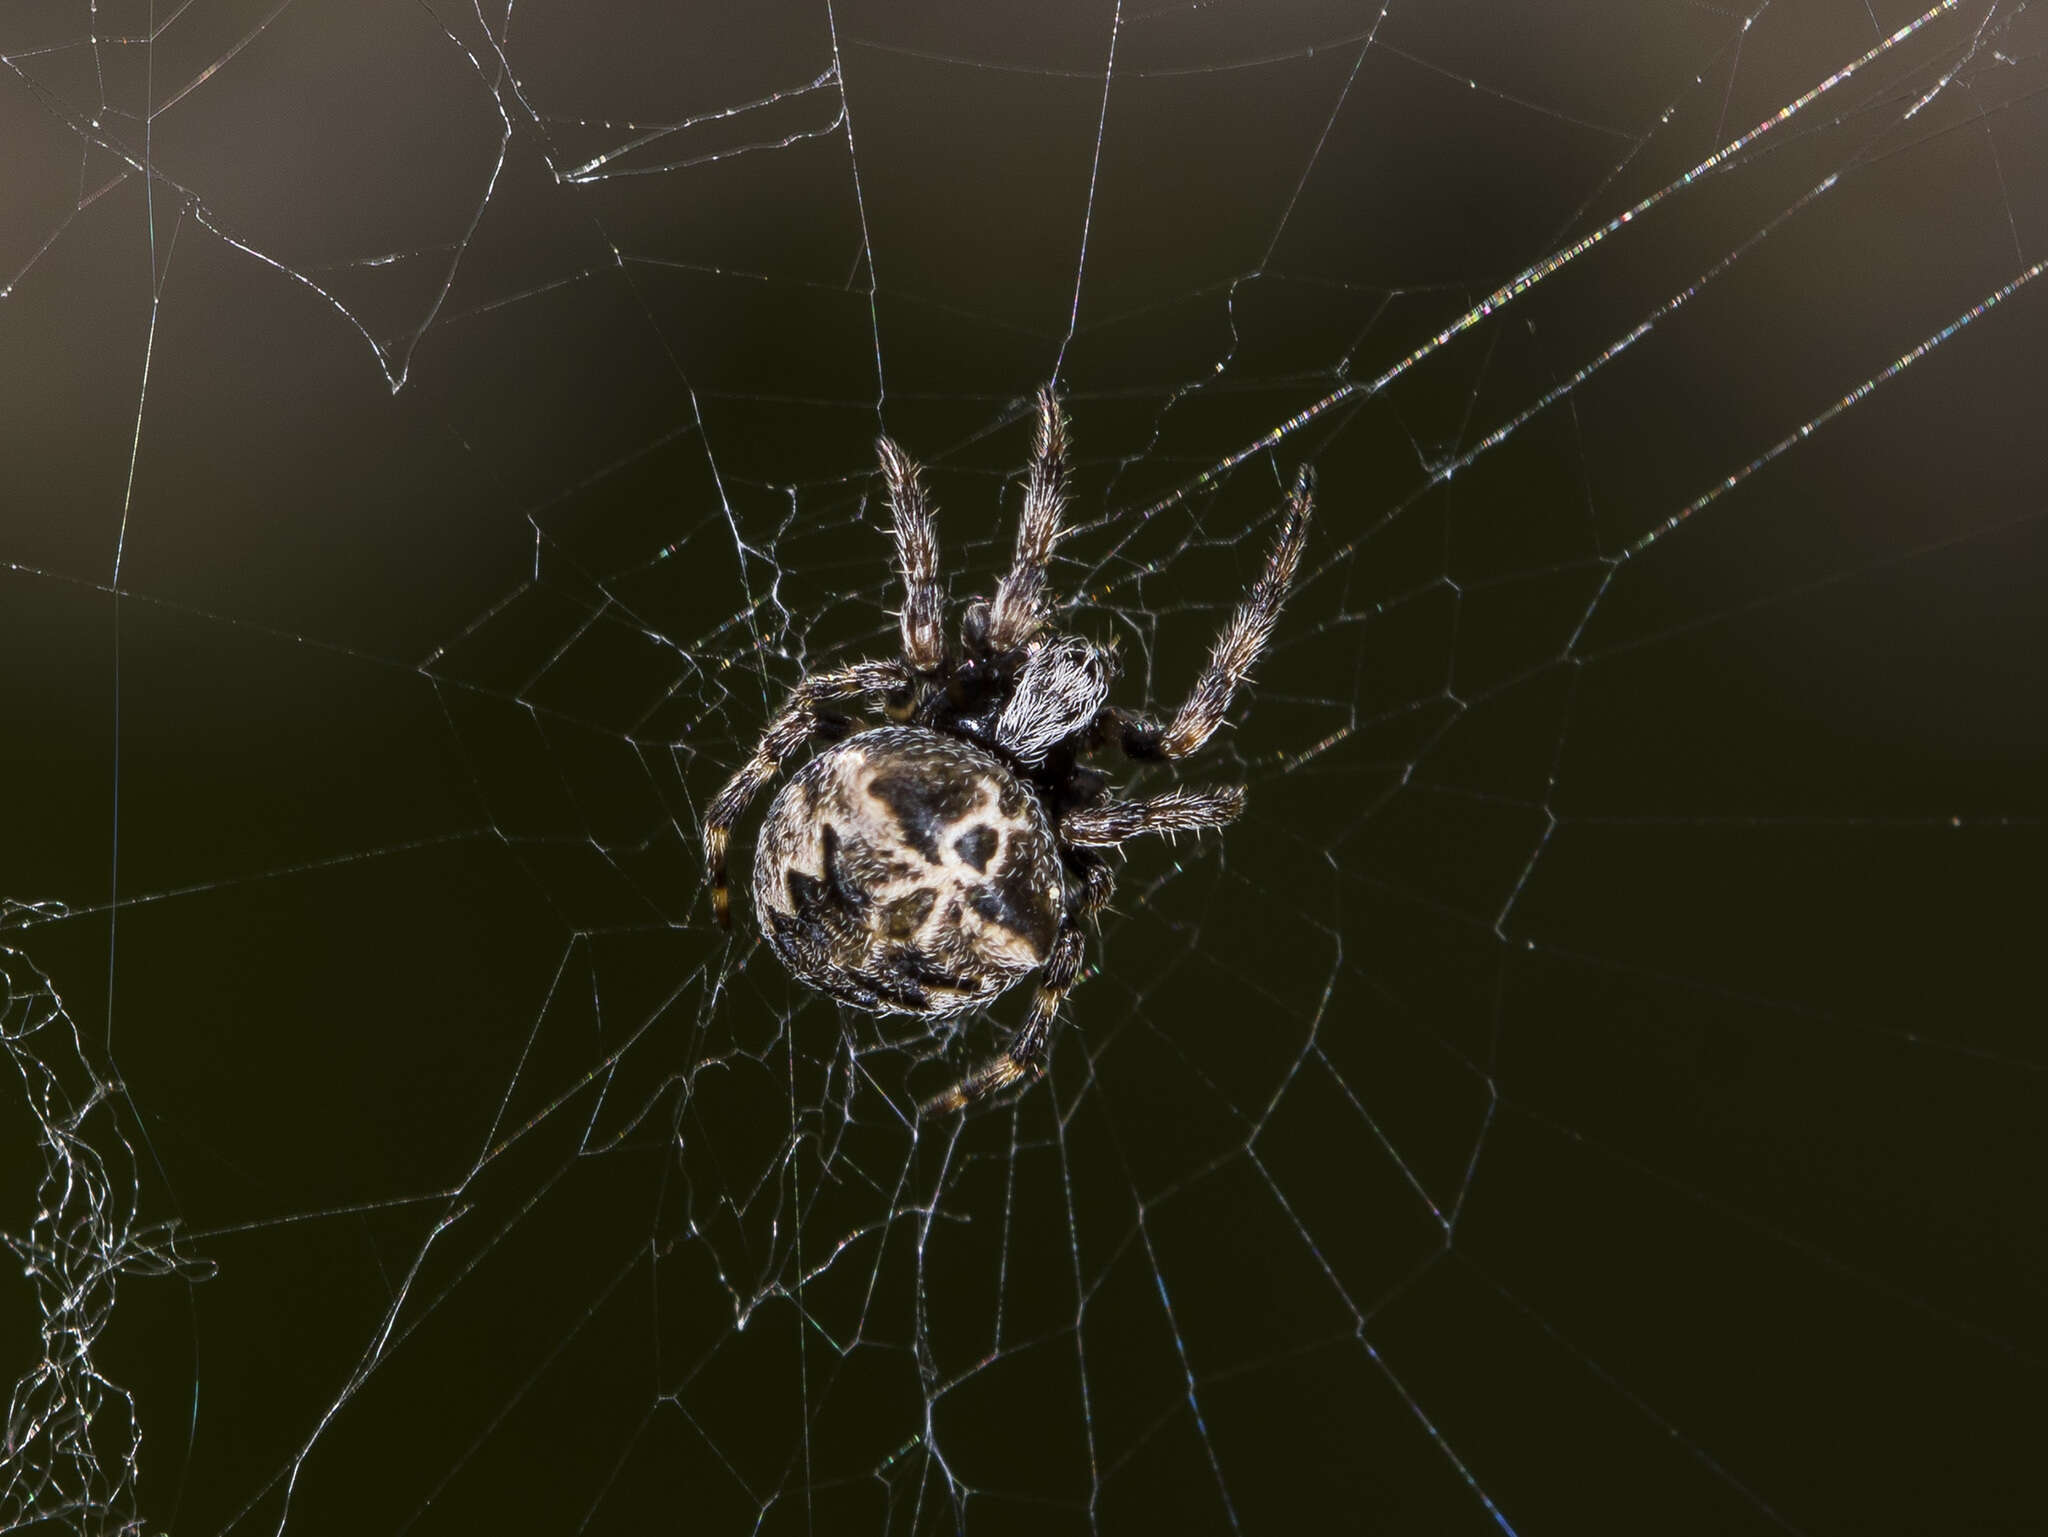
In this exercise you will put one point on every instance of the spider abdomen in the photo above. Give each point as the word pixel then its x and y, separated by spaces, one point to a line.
pixel 908 871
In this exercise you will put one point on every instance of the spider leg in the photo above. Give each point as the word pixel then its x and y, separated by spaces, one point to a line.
pixel 1020 606
pixel 1098 882
pixel 1112 822
pixel 1024 1057
pixel 1237 648
pixel 917 554
pixel 801 715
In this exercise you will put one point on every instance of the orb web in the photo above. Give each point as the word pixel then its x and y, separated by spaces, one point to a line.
pixel 1585 1084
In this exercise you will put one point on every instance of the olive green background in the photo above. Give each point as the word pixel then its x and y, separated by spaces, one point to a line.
pixel 1597 1087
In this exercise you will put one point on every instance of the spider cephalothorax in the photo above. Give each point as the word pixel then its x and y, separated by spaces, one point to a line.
pixel 925 866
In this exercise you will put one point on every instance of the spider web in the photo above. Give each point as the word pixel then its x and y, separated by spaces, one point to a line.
pixel 1597 1086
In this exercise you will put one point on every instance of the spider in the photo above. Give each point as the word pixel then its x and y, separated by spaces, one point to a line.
pixel 925 866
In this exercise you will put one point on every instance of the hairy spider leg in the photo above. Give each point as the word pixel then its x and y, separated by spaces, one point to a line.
pixel 1237 647
pixel 1098 883
pixel 1021 609
pixel 1109 823
pixel 917 554
pixel 1025 1056
pixel 1112 822
pixel 802 715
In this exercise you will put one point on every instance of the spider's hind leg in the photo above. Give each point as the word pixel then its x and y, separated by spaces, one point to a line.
pixel 1025 1056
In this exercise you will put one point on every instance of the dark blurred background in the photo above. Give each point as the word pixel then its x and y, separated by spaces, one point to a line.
pixel 1596 1089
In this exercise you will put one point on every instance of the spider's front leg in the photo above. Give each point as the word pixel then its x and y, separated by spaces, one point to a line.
pixel 917 555
pixel 1020 609
pixel 801 715
pixel 1238 647
pixel 1025 1056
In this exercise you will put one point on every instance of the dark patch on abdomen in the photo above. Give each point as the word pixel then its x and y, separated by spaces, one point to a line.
pixel 833 901
pixel 907 980
pixel 905 917
pixel 806 894
pixel 1013 899
pixel 927 804
pixel 851 897
pixel 976 847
